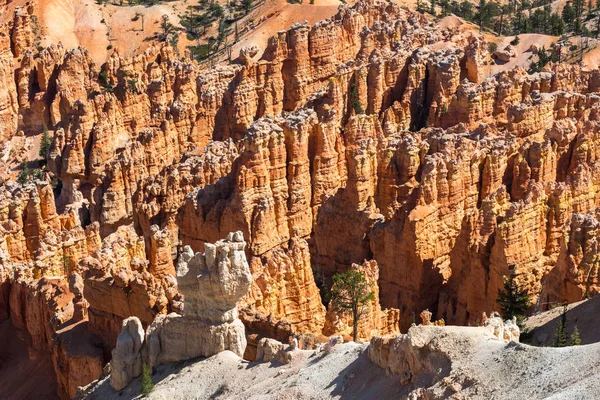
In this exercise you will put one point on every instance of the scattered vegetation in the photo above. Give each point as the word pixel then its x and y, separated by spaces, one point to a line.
pixel 146 384
pixel 512 299
pixel 560 336
pixel 206 14
pixel 578 17
pixel 28 174
pixel 351 293
pixel 104 81
pixel 66 264
pixel 132 83
pixel 355 100
pixel 575 339
pixel 45 145
pixel 544 57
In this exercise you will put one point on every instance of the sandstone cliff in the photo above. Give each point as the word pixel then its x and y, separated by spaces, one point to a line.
pixel 374 135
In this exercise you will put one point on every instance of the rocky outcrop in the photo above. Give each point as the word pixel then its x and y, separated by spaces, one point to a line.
pixel 212 284
pixel 9 110
pixel 284 288
pixel 376 135
pixel 119 284
pixel 45 311
pixel 502 330
pixel 126 361
pixel 429 361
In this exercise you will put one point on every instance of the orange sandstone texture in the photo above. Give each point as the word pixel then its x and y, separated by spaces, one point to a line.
pixel 375 138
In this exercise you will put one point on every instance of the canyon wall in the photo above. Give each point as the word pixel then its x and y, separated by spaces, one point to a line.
pixel 375 138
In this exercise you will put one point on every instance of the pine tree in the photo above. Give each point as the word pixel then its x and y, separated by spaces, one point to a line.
pixel 560 338
pixel 350 292
pixel 466 10
pixel 355 100
pixel 575 339
pixel 513 300
pixel 45 144
pixel 568 14
pixel 146 383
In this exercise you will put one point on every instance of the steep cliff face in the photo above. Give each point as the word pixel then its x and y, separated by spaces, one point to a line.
pixel 374 138
pixel 46 312
pixel 119 283
pixel 8 94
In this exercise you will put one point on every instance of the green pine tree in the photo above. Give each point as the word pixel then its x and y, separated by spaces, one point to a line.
pixel 355 100
pixel 350 292
pixel 575 339
pixel 146 383
pixel 513 300
pixel 45 144
pixel 560 338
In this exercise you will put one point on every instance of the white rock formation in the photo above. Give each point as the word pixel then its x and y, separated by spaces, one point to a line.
pixel 126 361
pixel 503 330
pixel 268 349
pixel 212 283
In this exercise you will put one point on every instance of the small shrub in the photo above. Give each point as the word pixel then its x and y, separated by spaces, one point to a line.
pixel 28 174
pixel 221 390
pixel 560 338
pixel 573 47
pixel 66 264
pixel 103 78
pixel 492 47
pixel 146 384
pixel 355 100
pixel 200 52
pixel 132 86
pixel 515 41
pixel 109 47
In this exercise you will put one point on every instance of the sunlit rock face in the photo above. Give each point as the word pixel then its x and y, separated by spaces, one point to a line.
pixel 375 139
pixel 212 283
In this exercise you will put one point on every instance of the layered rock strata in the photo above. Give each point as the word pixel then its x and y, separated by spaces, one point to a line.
pixel 374 135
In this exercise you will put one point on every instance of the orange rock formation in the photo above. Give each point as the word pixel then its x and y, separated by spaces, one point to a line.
pixel 375 135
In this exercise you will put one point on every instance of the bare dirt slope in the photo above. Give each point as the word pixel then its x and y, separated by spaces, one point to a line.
pixel 481 368
pixel 281 16
pixel 583 315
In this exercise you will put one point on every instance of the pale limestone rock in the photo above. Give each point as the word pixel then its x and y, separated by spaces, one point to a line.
pixel 268 349
pixel 212 283
pixel 126 361
pixel 503 330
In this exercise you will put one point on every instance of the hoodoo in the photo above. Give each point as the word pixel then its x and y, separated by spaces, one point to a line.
pixel 192 193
